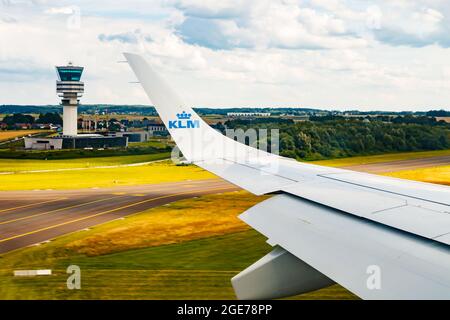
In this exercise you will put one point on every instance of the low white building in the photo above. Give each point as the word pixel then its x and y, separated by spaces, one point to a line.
pixel 133 136
pixel 248 114
pixel 157 129
pixel 43 143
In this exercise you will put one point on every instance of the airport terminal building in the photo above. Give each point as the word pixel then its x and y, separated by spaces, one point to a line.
pixel 95 141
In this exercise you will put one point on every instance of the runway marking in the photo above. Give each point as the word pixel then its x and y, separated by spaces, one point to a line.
pixel 56 210
pixel 103 213
pixel 71 207
pixel 138 195
pixel 32 204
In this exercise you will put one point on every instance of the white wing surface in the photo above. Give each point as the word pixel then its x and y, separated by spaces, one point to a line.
pixel 379 237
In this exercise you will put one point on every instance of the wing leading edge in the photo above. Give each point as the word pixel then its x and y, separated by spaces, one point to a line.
pixel 411 210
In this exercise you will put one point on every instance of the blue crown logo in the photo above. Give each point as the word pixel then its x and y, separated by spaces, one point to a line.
pixel 184 115
pixel 184 122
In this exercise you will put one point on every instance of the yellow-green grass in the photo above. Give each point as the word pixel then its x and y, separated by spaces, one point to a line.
pixel 188 262
pixel 381 158
pixel 177 222
pixel 156 172
pixel 440 175
pixel 14 165
pixel 160 143
pixel 10 134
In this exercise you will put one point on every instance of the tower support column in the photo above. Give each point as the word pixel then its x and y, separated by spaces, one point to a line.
pixel 70 120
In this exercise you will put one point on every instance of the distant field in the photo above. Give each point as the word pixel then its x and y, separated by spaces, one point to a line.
pixel 119 117
pixel 102 178
pixel 10 134
pixel 9 165
pixel 446 119
pixel 381 158
pixel 183 251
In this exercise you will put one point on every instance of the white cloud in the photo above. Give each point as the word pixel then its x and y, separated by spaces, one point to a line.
pixel 232 53
pixel 270 24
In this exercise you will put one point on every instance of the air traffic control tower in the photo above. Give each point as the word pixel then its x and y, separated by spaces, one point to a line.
pixel 70 89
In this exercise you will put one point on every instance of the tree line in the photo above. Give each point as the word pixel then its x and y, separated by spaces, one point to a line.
pixel 338 137
pixel 50 117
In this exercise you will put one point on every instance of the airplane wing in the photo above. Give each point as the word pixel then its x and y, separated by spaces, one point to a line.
pixel 379 237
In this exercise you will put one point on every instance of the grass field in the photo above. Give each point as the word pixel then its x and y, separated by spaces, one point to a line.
pixel 186 250
pixel 381 158
pixel 180 221
pixel 155 143
pixel 160 172
pixel 102 178
pixel 10 134
pixel 8 165
pixel 439 175
pixel 163 253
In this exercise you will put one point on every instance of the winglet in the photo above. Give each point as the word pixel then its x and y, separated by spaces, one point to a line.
pixel 195 138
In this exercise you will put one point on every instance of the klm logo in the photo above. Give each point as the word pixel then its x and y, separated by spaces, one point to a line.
pixel 184 122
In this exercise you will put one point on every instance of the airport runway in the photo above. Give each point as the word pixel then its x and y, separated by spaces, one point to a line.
pixel 399 165
pixel 30 217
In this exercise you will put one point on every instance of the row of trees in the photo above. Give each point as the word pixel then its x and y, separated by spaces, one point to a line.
pixel 53 118
pixel 341 138
pixel 438 113
pixel 432 121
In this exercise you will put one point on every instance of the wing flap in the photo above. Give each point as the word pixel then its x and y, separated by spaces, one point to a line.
pixel 425 191
pixel 353 199
pixel 393 210
pixel 424 222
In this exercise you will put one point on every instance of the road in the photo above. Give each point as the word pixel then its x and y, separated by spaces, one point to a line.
pixel 30 217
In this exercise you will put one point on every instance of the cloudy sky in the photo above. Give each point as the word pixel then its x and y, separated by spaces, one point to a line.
pixel 333 54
